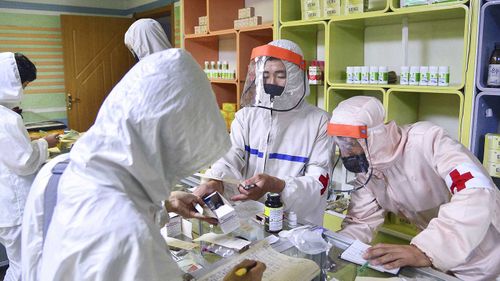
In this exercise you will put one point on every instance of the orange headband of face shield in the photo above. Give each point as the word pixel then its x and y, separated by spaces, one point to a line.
pixel 358 132
pixel 280 53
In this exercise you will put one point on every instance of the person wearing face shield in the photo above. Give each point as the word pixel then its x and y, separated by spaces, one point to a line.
pixel 420 173
pixel 144 140
pixel 145 37
pixel 20 158
pixel 279 141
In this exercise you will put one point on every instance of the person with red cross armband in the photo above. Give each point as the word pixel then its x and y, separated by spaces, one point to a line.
pixel 418 172
pixel 279 141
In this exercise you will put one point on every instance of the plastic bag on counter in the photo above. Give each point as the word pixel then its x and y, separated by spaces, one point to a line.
pixel 307 239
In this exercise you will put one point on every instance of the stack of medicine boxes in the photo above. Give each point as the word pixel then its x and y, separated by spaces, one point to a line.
pixel 492 154
pixel 228 111
pixel 201 28
pixel 247 18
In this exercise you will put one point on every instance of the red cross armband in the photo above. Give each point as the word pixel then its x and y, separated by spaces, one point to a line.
pixel 467 175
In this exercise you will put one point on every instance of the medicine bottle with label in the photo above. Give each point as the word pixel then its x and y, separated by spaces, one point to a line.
pixel 273 213
pixel 494 68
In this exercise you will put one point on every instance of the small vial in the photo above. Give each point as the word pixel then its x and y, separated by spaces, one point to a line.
pixel 350 75
pixel 213 69
pixel 404 77
pixel 433 76
pixel 373 74
pixel 414 75
pixel 292 219
pixel 365 75
pixel 443 76
pixel 383 75
pixel 424 76
pixel 357 75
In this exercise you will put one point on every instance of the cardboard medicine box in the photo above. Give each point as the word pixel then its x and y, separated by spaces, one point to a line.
pixel 246 13
pixel 174 225
pixel 216 206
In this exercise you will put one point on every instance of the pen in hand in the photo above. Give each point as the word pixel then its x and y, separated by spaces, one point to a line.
pixel 243 270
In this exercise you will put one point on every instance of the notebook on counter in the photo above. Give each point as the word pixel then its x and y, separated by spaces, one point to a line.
pixel 354 253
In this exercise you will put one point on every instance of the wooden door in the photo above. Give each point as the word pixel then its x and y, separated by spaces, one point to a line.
pixel 95 59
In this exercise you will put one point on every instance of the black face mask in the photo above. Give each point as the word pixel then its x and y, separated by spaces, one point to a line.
pixel 356 163
pixel 273 90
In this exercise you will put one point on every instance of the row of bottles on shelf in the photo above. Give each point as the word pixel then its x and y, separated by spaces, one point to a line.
pixel 494 68
pixel 491 159
pixel 414 75
pixel 219 70
pixel 425 76
pixel 367 75
pixel 312 9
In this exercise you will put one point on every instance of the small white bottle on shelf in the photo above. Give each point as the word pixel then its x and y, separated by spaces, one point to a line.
pixel 433 76
pixel 350 75
pixel 443 76
pixel 373 74
pixel 383 75
pixel 414 75
pixel 356 78
pixel 424 76
pixel 365 75
pixel 404 77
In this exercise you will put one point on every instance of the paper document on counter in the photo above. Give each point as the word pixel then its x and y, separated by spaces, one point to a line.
pixel 354 253
pixel 279 267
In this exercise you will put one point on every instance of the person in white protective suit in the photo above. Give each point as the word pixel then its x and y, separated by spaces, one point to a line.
pixel 145 37
pixel 420 173
pixel 279 141
pixel 144 140
pixel 20 158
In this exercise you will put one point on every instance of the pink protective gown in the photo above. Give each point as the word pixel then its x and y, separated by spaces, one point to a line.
pixel 424 175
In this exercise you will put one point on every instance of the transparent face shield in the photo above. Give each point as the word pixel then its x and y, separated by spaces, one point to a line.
pixel 273 82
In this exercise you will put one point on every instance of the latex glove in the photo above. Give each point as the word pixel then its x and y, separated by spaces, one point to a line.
pixel 393 256
pixel 247 270
pixel 52 140
pixel 263 183
pixel 183 204
pixel 208 188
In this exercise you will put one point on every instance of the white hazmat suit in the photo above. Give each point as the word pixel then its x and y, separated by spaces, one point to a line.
pixel 291 145
pixel 422 174
pixel 20 159
pixel 145 139
pixel 145 37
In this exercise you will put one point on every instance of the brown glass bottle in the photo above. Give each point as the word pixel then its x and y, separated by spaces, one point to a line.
pixel 494 68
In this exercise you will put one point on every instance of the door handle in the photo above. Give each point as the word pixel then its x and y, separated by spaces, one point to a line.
pixel 70 100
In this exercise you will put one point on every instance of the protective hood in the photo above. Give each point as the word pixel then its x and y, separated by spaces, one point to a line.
pixel 145 37
pixel 11 88
pixel 155 127
pixel 385 141
pixel 258 94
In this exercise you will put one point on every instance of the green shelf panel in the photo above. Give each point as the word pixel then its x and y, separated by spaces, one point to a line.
pixel 338 94
pixel 443 108
pixel 312 38
pixel 437 36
